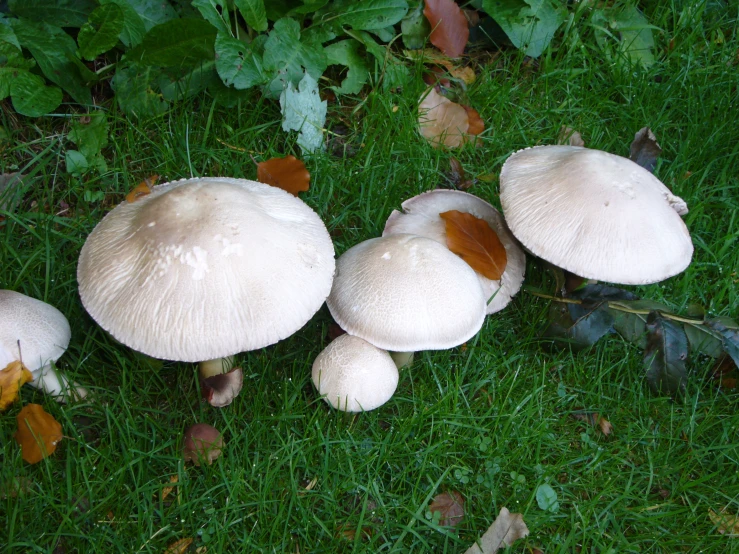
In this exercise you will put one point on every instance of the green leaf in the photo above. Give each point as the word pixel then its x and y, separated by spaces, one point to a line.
pixel 253 13
pixel 153 12
pixel 7 35
pixel 90 133
pixel 303 110
pixel 415 28
pixel 14 57
pixel 63 13
pixel 391 70
pixel 31 97
pixel 133 26
pixel 703 339
pixel 186 85
pixel 132 86
pixel 624 32
pixel 665 355
pixel 176 43
pixel 373 14
pixel 347 53
pixel 309 6
pixel 238 64
pixel 546 497
pixel 100 33
pixel 209 9
pixel 76 162
pixel 227 96
pixel 529 24
pixel 285 56
pixel 631 326
pixel 729 336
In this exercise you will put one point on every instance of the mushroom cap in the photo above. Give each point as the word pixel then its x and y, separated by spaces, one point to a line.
pixel 420 216
pixel 405 293
pixel 354 376
pixel 202 444
pixel 42 330
pixel 206 268
pixel 595 214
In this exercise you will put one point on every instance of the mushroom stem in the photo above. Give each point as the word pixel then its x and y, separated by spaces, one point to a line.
pixel 49 380
pixel 208 368
pixel 402 359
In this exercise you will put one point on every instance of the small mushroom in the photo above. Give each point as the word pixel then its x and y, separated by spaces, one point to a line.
pixel 37 334
pixel 202 444
pixel 354 376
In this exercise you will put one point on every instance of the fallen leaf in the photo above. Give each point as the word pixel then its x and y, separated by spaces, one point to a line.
pixel 178 547
pixel 303 111
pixel 725 524
pixel 428 55
pixel 12 378
pixel 38 433
pixel 476 124
pixel 288 173
pixel 309 486
pixel 472 239
pixel 645 150
pixel 450 505
pixel 665 355
pixel 349 533
pixel 569 136
pixel 505 530
pixel 166 491
pixel 142 189
pixel 456 175
pixel 449 28
pixel 441 121
pixel 596 420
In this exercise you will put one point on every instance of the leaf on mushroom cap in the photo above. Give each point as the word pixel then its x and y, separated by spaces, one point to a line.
pixel 473 240
pixel 38 433
pixel 288 173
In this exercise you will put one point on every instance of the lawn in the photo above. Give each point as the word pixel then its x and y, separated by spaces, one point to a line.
pixel 491 419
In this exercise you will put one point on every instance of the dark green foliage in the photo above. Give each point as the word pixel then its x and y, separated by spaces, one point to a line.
pixel 665 356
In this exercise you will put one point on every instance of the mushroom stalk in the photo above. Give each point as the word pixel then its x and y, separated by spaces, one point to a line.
pixel 402 359
pixel 208 368
pixel 49 380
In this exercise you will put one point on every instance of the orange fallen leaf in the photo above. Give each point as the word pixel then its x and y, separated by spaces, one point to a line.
pixel 726 524
pixel 166 491
pixel 476 124
pixel 449 27
pixel 596 420
pixel 445 123
pixel 38 433
pixel 472 239
pixel 142 189
pixel 450 506
pixel 288 173
pixel 12 378
pixel 179 547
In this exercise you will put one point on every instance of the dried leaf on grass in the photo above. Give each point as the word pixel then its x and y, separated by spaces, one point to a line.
pixel 38 433
pixel 350 533
pixel 179 547
pixel 596 420
pixel 166 491
pixel 505 530
pixel 645 149
pixel 570 137
pixel 142 189
pixel 446 123
pixel 450 506
pixel 472 239
pixel 726 524
pixel 456 175
pixel 12 378
pixel 288 173
pixel 449 28
pixel 463 73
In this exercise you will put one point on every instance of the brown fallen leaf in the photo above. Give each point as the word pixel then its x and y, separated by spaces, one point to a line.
pixel 38 433
pixel 349 533
pixel 179 547
pixel 726 524
pixel 450 506
pixel 472 239
pixel 456 175
pixel 570 137
pixel 645 149
pixel 142 189
pixel 430 56
pixel 596 420
pixel 12 378
pixel 476 124
pixel 166 491
pixel 505 530
pixel 449 27
pixel 288 173
pixel 725 372
pixel 443 122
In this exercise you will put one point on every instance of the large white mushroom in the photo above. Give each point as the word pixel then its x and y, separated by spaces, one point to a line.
pixel 204 268
pixel 595 214
pixel 37 334
pixel 420 216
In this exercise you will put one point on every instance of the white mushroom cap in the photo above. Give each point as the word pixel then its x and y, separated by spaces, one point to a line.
pixel 420 216
pixel 206 268
pixel 42 330
pixel 597 215
pixel 406 293
pixel 354 376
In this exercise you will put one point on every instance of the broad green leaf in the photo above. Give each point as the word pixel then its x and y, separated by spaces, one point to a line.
pixel 186 85
pixel 254 13
pixel 277 9
pixel 529 24
pixel 546 498
pixel 100 33
pixel 632 326
pixel 7 74
pixel 176 43
pixel 7 35
pixel 624 33
pixel 415 27
pixel 132 86
pixel 665 355
pixel 309 6
pixel 285 56
pixel 238 64
pixel 373 14
pixel 89 133
pixel 63 13
pixel 14 57
pixel 227 96
pixel 386 34
pixel 729 336
pixel 703 339
pixel 347 53
pixel 153 12
pixel 393 72
pixel 52 49
pixel 302 110
pixel 76 162
pixel 31 97
pixel 216 12
pixel 133 26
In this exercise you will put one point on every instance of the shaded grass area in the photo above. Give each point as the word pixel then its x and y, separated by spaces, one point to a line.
pixel 490 419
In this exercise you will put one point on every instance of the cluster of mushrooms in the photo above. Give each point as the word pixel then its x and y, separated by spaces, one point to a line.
pixel 203 269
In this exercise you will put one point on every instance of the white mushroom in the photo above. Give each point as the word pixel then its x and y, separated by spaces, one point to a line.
pixel 205 268
pixel 354 376
pixel 597 215
pixel 420 216
pixel 43 334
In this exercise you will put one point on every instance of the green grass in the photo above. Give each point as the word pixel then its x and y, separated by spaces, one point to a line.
pixel 470 419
